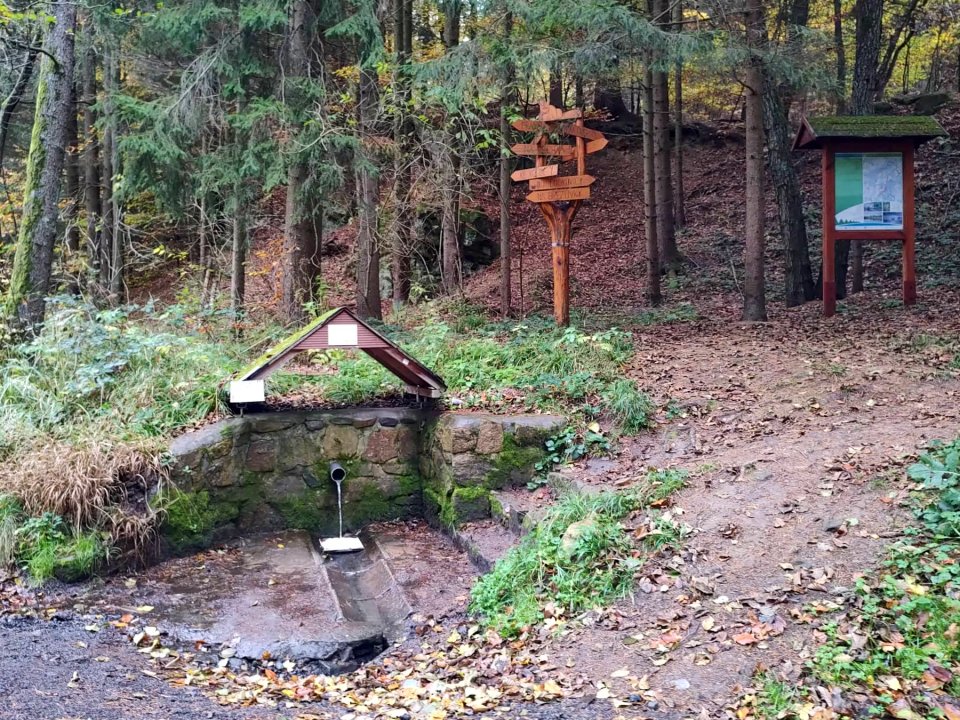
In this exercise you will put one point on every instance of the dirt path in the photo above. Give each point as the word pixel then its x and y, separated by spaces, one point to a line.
pixel 795 434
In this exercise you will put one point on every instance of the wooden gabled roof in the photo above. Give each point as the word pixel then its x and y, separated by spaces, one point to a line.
pixel 348 331
pixel 815 131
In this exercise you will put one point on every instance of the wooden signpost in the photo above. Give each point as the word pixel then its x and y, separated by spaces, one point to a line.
pixel 558 197
pixel 868 186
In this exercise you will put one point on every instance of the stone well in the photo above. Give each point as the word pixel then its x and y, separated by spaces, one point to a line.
pixel 270 471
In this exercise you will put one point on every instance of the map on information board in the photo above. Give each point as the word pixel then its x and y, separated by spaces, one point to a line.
pixel 869 191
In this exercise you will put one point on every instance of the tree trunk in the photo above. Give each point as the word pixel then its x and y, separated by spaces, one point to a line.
pixel 111 74
pixel 107 172
pixel 798 277
pixel 841 52
pixel 679 209
pixel 10 105
pixel 403 230
pixel 368 253
pixel 555 96
pixel 650 194
pixel 669 255
pixel 301 242
pixel 754 296
pixel 33 261
pixel 450 175
pixel 91 151
pixel 506 164
pixel 449 219
pixel 869 15
pixel 71 212
pixel 238 269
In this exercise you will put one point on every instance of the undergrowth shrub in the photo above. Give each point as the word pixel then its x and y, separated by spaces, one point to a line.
pixel 579 557
pixel 45 546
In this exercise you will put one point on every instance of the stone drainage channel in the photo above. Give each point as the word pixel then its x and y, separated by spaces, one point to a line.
pixel 275 596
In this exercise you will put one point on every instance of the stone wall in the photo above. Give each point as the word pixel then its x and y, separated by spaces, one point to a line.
pixel 271 471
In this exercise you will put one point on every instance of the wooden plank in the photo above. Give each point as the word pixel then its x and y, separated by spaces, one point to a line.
pixel 829 240
pixel 569 181
pixel 562 151
pixel 577 193
pixel 584 132
pixel 909 229
pixel 524 125
pixel 535 172
pixel 596 145
pixel 552 114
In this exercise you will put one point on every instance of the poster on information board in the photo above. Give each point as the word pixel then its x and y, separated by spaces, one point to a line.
pixel 869 191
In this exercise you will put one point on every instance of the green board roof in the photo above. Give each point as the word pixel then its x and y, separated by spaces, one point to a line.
pixel 813 131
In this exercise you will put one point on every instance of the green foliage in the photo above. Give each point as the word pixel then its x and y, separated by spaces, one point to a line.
pixel 129 371
pixel 579 557
pixel 904 619
pixel 939 473
pixel 774 696
pixel 46 547
pixel 631 408
pixel 569 445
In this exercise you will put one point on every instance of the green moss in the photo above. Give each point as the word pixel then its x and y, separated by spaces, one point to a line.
pixel 21 287
pixel 873 126
pixel 285 344
pixel 513 463
pixel 305 512
pixel 191 518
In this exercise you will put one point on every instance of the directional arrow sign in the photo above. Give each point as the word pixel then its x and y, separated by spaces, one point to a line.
pixel 563 151
pixel 577 193
pixel 552 114
pixel 583 132
pixel 569 181
pixel 530 125
pixel 536 172
pixel 595 145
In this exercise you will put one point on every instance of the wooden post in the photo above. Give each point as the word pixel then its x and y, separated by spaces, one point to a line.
pixel 829 234
pixel 558 197
pixel 909 229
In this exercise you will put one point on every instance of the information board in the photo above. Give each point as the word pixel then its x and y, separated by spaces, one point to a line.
pixel 869 191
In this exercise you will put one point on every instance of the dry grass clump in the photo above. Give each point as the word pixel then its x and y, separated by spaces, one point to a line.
pixel 95 484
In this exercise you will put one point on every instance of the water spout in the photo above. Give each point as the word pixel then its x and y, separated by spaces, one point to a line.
pixel 337 474
pixel 340 543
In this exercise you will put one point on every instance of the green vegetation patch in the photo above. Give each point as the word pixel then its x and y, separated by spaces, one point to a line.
pixel 45 546
pixel 580 556
pixel 191 518
pixel 896 644
pixel 870 126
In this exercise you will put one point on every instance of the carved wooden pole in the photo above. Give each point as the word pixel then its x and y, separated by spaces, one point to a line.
pixel 559 197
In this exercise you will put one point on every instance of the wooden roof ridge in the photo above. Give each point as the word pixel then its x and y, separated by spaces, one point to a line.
pixel 417 377
pixel 814 131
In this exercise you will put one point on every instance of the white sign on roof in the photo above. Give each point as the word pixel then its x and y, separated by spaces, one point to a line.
pixel 342 334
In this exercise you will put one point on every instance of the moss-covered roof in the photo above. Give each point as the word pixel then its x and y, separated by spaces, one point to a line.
pixel 872 126
pixel 285 344
pixel 816 129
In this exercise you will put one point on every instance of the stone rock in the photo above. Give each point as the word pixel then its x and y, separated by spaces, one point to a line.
pixel 408 443
pixel 490 438
pixel 930 103
pixel 570 539
pixel 395 467
pixel 469 505
pixel 364 422
pixel 314 424
pixel 381 446
pixel 469 469
pixel 261 456
pixel 340 441
pixel 388 422
pixel 283 487
pixel 273 422
pixel 309 479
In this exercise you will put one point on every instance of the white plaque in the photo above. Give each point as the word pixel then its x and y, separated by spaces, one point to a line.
pixel 247 391
pixel 342 334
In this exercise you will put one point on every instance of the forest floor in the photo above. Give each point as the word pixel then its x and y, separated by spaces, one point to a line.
pixel 795 433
